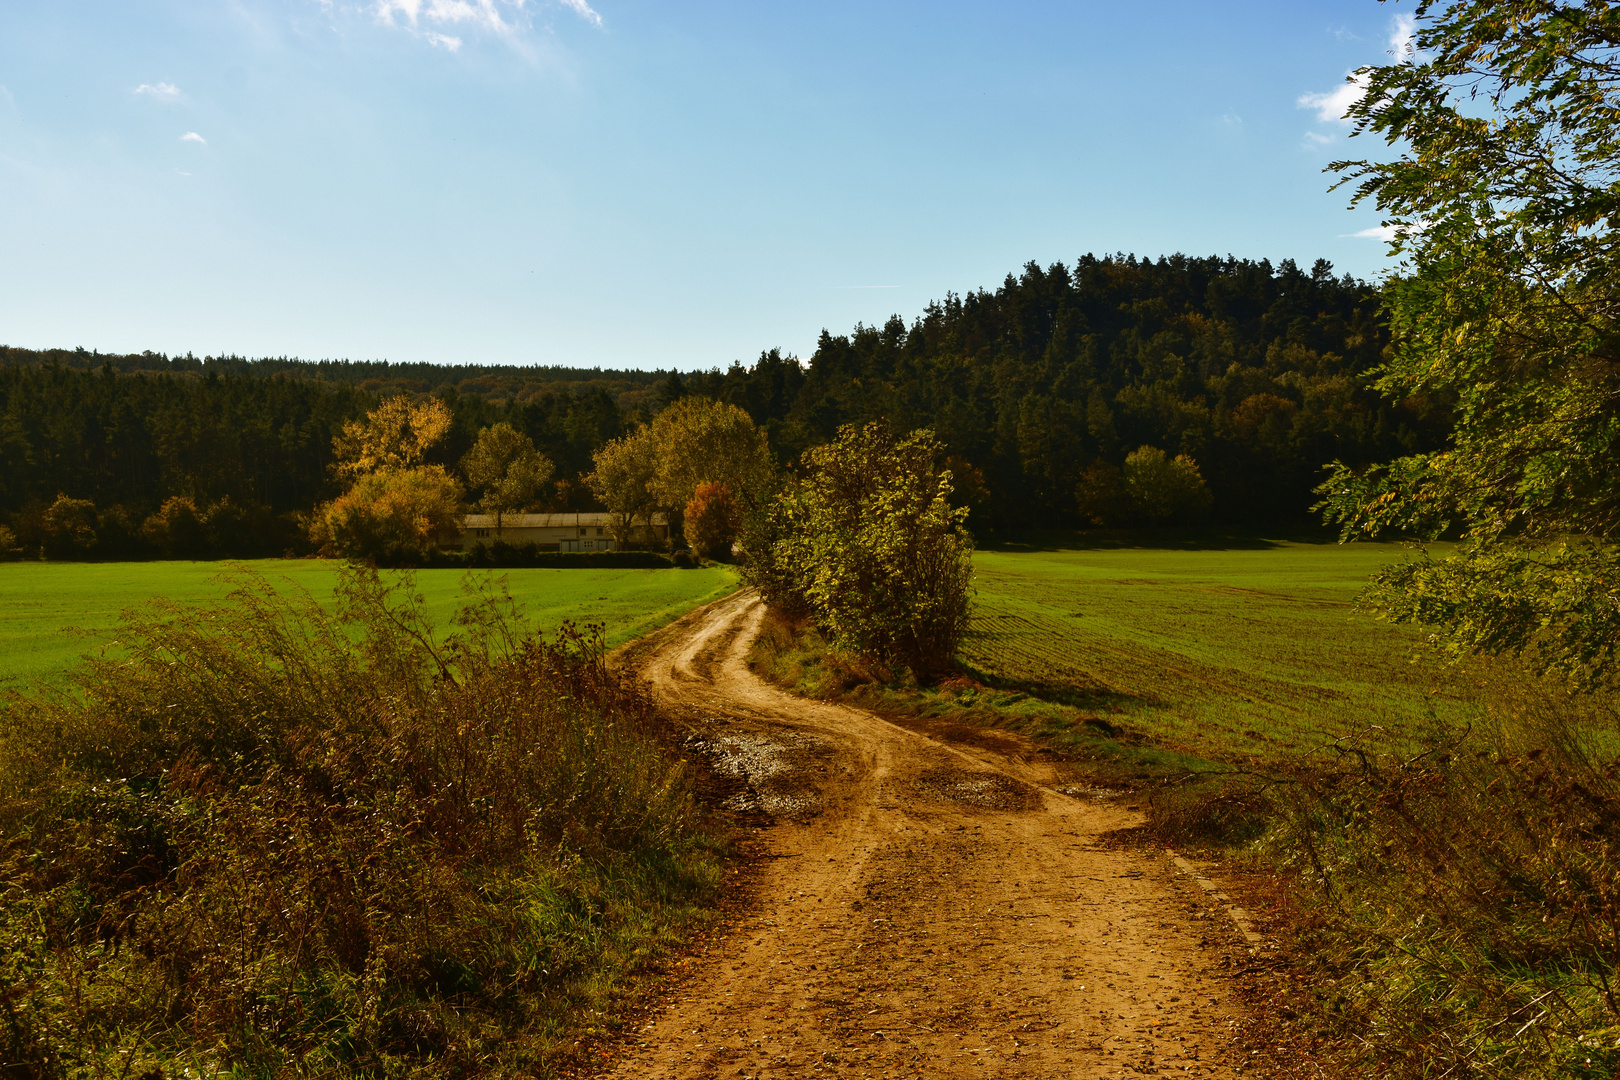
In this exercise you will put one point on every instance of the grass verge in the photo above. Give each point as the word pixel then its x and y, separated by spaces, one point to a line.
pixel 793 654
pixel 276 837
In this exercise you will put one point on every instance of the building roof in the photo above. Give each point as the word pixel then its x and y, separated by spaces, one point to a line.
pixel 552 521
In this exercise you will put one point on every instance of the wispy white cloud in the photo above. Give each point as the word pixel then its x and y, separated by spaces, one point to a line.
pixel 1377 232
pixel 162 91
pixel 504 18
pixel 1400 38
pixel 1230 120
pixel 583 10
pixel 192 136
pixel 1315 139
pixel 387 9
pixel 1333 105
pixel 478 13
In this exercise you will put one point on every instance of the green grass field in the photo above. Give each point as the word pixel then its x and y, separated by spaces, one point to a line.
pixel 52 613
pixel 1249 651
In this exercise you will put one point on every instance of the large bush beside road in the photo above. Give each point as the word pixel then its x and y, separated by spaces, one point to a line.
pixel 866 541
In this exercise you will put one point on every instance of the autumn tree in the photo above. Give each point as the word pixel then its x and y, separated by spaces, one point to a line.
pixel 623 481
pixel 397 434
pixel 694 441
pixel 713 519
pixel 700 441
pixel 176 529
pixel 67 529
pixel 1162 488
pixel 391 516
pixel 398 507
pixel 1101 497
pixel 504 465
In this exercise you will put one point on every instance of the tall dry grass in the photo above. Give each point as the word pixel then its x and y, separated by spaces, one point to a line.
pixel 1465 891
pixel 270 840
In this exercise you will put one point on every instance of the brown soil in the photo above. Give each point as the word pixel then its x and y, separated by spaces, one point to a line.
pixel 928 904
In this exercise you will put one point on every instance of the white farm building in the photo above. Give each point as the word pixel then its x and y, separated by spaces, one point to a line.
pixel 593 531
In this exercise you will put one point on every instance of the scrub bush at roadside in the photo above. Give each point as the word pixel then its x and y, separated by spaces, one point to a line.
pixel 272 840
pixel 867 543
pixel 1466 891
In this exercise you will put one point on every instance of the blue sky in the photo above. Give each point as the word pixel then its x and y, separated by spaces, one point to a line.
pixel 627 183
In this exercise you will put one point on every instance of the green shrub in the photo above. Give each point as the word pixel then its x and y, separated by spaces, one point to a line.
pixel 868 543
pixel 271 840
pixel 67 528
pixel 1162 488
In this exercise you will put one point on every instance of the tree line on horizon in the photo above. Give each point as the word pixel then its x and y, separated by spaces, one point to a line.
pixel 1237 379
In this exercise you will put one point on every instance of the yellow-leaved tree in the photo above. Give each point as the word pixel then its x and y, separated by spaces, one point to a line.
pixel 398 507
pixel 397 434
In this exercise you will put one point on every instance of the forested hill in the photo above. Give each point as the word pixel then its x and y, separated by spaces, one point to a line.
pixel 1250 369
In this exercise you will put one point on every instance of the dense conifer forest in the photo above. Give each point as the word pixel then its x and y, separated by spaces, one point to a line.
pixel 1252 370
pixel 1037 391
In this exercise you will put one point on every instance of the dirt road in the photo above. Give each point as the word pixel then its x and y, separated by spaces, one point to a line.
pixel 929 907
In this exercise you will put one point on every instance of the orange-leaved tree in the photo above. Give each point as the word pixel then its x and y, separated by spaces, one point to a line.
pixel 713 519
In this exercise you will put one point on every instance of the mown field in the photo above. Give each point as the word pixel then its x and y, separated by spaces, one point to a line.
pixel 51 613
pixel 1224 653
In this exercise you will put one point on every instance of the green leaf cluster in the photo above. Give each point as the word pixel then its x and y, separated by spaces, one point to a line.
pixel 506 467
pixel 1502 198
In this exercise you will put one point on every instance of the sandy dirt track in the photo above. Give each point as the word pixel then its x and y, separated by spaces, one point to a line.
pixel 927 908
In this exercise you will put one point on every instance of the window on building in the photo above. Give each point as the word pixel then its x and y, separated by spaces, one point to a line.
pixel 599 532
pixel 583 531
